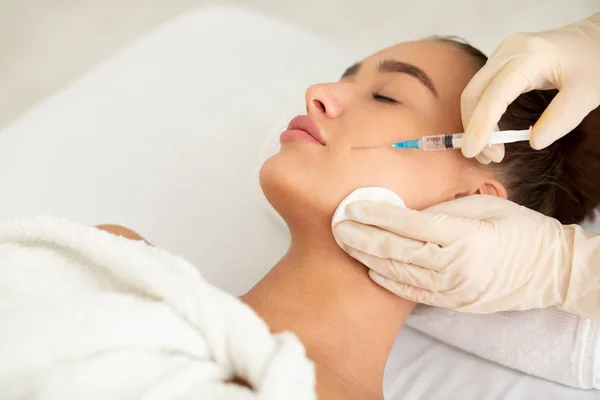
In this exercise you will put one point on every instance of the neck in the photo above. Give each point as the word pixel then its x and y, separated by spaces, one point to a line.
pixel 347 323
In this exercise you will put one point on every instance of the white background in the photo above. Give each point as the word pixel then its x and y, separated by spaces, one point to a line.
pixel 45 44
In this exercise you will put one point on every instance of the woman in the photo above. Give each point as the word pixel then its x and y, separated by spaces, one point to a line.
pixel 403 92
pixel 400 93
pixel 346 322
pixel 316 290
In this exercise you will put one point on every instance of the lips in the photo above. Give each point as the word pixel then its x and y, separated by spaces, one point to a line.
pixel 306 124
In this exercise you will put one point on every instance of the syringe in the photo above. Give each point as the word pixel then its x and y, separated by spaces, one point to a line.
pixel 450 141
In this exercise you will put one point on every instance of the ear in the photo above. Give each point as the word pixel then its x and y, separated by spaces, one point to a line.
pixel 488 186
pixel 493 188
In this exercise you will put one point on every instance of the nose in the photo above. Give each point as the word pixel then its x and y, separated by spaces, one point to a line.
pixel 324 99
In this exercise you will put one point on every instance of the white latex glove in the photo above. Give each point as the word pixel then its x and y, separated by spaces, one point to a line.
pixel 567 59
pixel 479 254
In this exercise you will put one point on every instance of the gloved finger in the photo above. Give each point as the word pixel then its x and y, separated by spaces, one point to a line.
pixel 401 272
pixel 493 153
pixel 403 290
pixel 477 208
pixel 383 244
pixel 482 159
pixel 568 108
pixel 504 89
pixel 477 86
pixel 423 226
pixel 380 244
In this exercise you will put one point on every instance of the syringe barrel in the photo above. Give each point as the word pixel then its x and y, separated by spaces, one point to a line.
pixel 442 142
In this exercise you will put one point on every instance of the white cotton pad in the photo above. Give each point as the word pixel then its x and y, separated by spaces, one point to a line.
pixel 374 194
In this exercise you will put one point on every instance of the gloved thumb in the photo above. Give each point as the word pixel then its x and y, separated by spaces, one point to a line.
pixel 568 108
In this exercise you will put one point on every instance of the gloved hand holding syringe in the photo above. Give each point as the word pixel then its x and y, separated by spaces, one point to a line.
pixel 450 141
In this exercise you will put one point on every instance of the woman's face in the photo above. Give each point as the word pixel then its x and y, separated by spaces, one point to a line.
pixel 403 92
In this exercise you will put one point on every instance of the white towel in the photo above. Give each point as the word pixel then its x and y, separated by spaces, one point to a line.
pixel 88 315
pixel 547 343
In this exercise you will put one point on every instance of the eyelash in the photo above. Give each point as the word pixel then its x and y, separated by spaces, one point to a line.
pixel 384 99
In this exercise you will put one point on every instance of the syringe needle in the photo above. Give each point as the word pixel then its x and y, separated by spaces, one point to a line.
pixel 369 147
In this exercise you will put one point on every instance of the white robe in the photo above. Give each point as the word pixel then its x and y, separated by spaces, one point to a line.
pixel 88 315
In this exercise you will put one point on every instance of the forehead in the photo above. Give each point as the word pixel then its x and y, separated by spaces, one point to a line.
pixel 448 67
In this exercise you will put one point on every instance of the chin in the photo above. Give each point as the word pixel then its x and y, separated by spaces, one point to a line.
pixel 294 191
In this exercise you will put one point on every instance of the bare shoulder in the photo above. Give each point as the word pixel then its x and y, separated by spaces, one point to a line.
pixel 119 230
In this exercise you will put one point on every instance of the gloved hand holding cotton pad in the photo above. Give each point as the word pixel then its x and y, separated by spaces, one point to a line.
pixel 524 336
pixel 454 255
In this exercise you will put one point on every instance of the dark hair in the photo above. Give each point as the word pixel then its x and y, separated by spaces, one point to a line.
pixel 561 181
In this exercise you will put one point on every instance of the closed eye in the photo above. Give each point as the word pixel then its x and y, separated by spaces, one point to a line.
pixel 384 99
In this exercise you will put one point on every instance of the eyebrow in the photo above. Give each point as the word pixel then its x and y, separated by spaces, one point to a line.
pixel 400 67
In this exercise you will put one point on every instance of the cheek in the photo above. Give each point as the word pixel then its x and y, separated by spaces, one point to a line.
pixel 420 179
pixel 299 184
pixel 382 128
